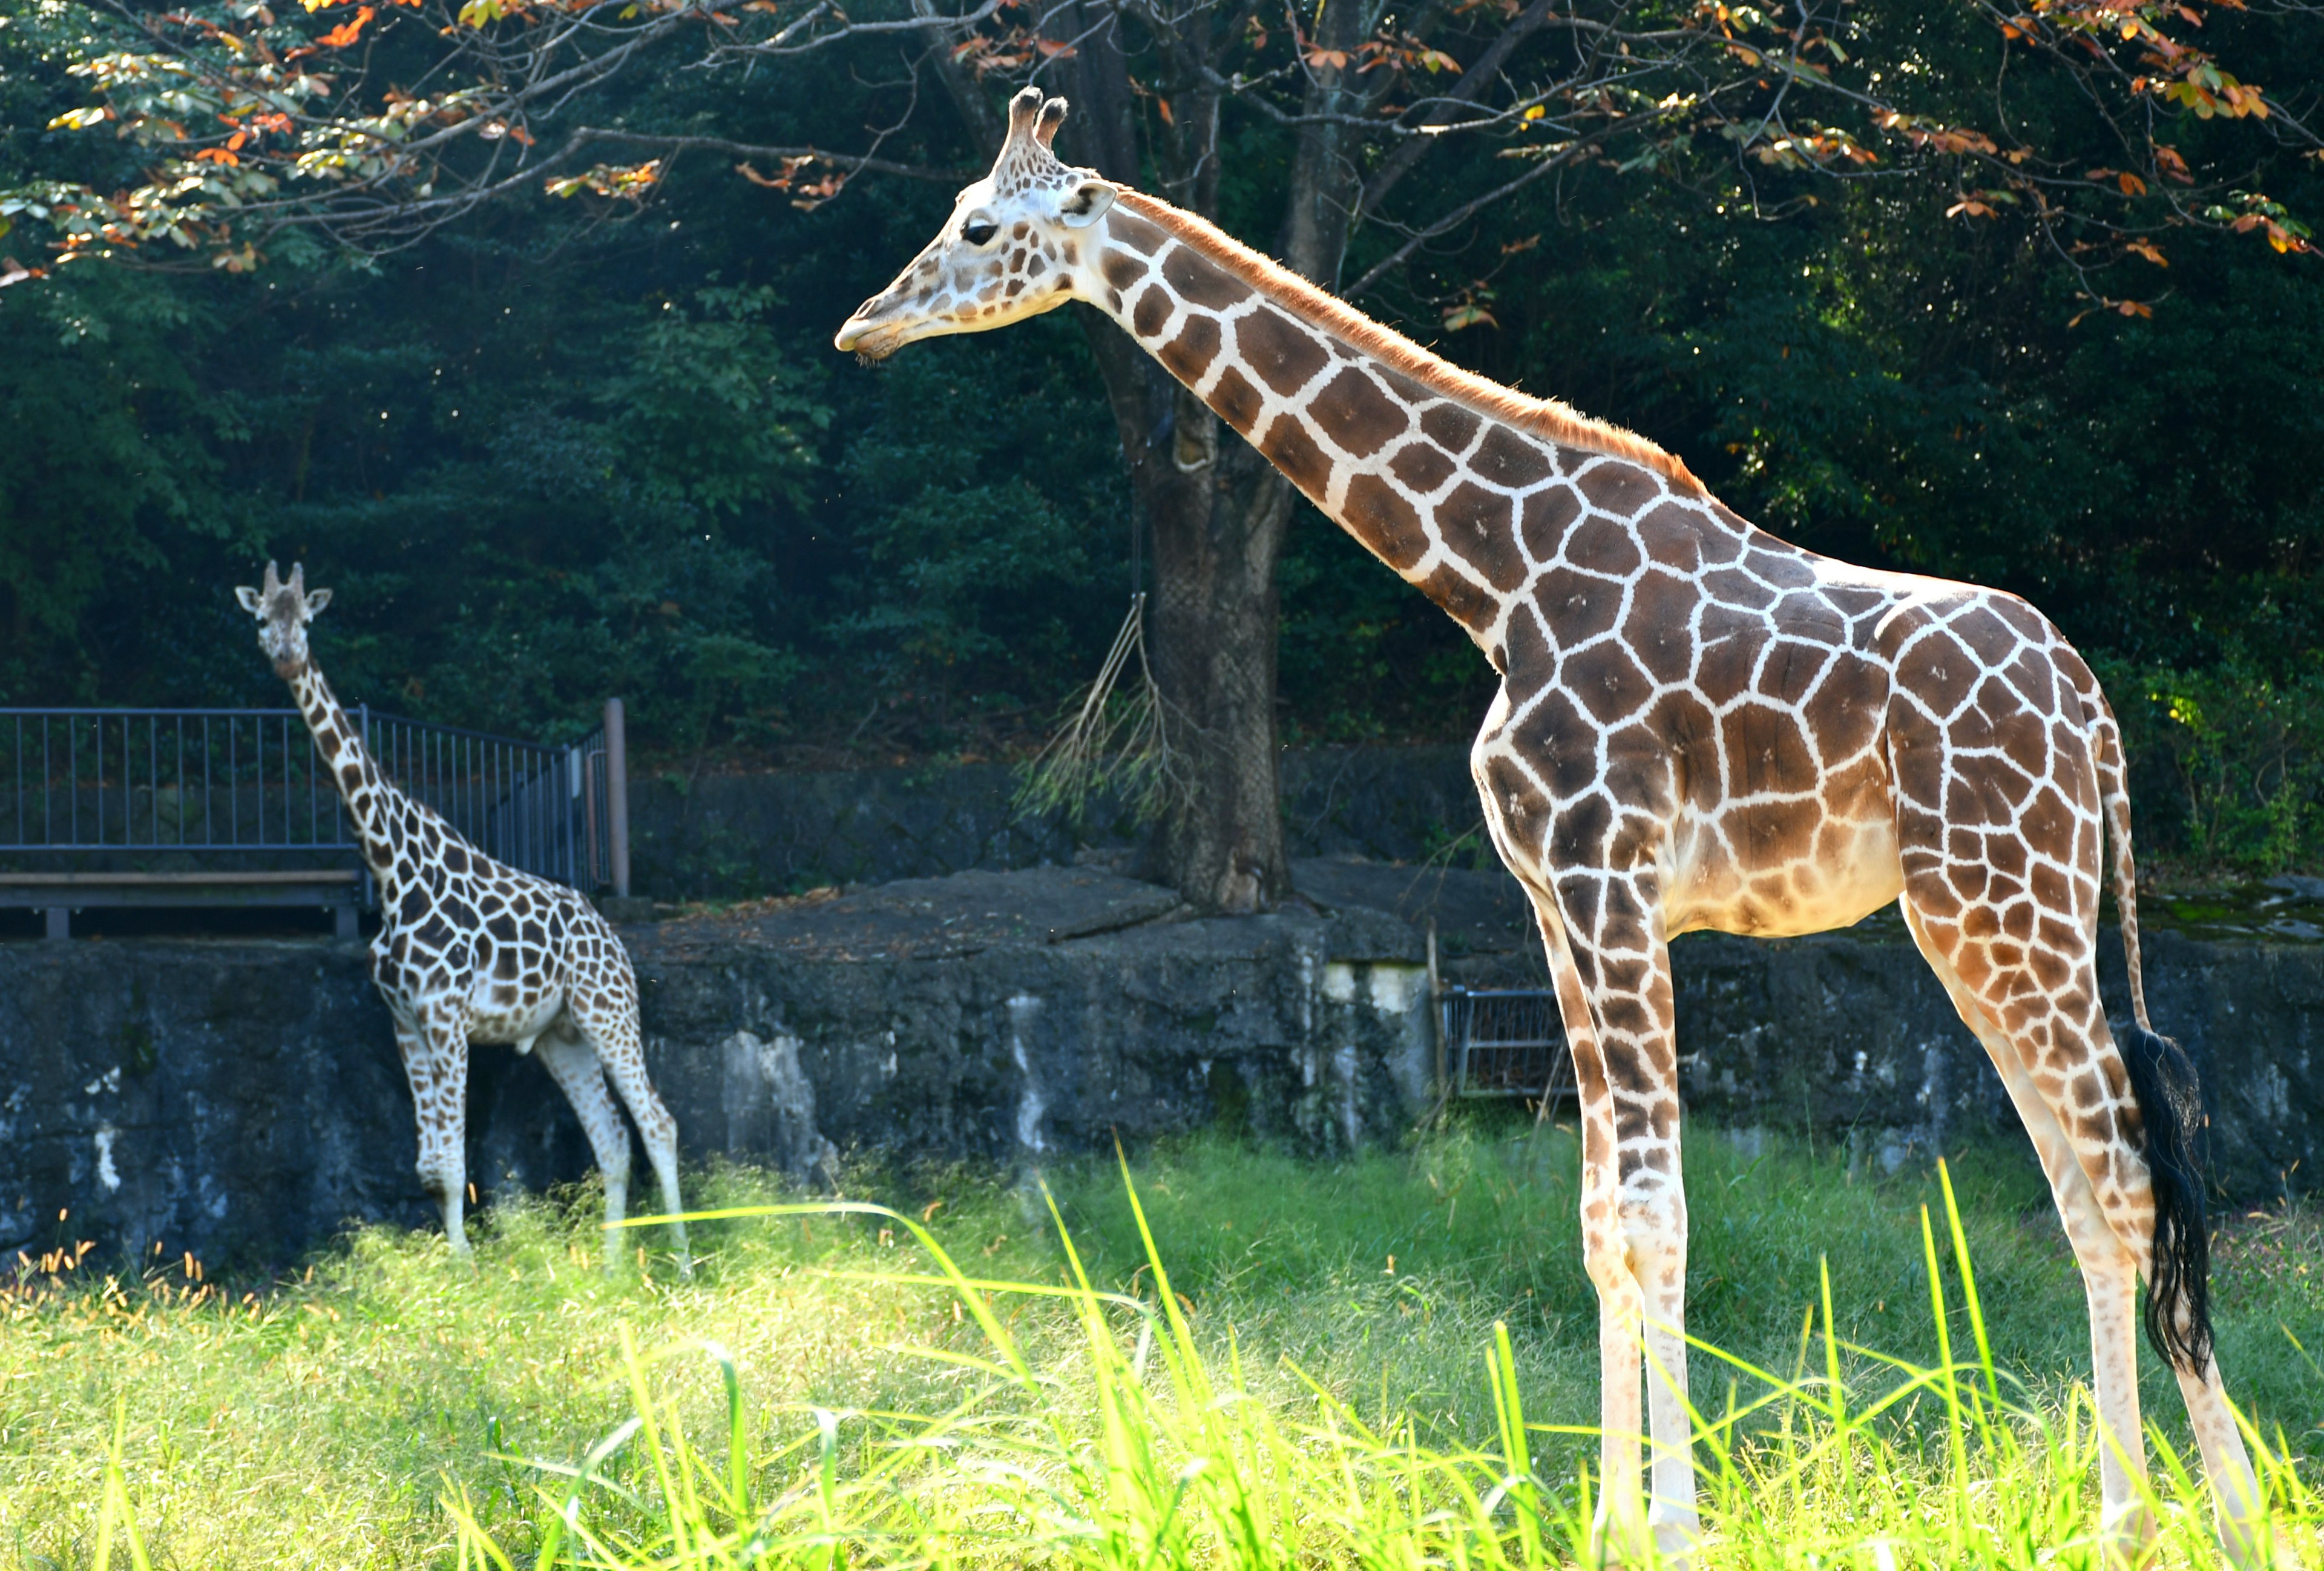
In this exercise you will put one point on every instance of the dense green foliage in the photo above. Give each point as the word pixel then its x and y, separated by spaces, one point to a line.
pixel 567 449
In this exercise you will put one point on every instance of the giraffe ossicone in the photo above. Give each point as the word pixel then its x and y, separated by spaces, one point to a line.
pixel 472 951
pixel 1699 726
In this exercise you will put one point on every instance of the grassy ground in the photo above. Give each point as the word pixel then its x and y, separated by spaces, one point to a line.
pixel 1325 1387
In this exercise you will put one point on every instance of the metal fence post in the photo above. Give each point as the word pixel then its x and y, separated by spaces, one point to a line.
pixel 617 797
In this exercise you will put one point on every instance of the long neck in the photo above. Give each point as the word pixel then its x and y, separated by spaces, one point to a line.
pixel 373 802
pixel 1460 485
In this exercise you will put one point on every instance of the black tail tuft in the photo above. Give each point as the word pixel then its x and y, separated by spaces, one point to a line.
pixel 2178 1278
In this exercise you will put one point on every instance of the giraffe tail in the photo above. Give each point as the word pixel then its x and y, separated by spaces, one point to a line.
pixel 2169 1097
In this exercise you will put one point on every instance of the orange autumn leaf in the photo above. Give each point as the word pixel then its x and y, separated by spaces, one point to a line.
pixel 347 32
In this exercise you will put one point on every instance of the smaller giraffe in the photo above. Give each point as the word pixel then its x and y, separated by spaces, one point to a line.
pixel 471 951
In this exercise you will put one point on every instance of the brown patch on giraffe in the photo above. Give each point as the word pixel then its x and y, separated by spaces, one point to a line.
pixel 1151 312
pixel 1619 488
pixel 1189 354
pixel 1450 427
pixel 1291 448
pixel 1422 466
pixel 1734 587
pixel 1478 526
pixel 1724 658
pixel 1786 569
pixel 1383 520
pixel 1136 230
pixel 1286 355
pixel 1580 606
pixel 1688 732
pixel 1765 751
pixel 1506 459
pixel 1938 672
pixel 1606 680
pixel 1578 839
pixel 1837 713
pixel 1461 597
pixel 1601 545
pixel 350 777
pixel 1356 415
pixel 1672 537
pixel 1121 269
pixel 456 859
pixel 1237 402
pixel 1562 743
pixel 2021 736
pixel 1544 518
pixel 1639 775
pixel 1203 282
pixel 1790 671
pixel 504 964
pixel 1526 654
pixel 1657 630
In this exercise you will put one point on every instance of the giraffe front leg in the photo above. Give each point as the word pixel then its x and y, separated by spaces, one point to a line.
pixel 435 1062
pixel 1633 1247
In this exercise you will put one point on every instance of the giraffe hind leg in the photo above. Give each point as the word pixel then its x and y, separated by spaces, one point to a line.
pixel 2101 1181
pixel 573 1065
pixel 607 1017
pixel 2109 1270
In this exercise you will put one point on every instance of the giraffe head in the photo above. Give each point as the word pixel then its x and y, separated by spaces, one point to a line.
pixel 1014 246
pixel 283 610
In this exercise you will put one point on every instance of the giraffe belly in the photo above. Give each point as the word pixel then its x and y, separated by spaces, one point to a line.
pixel 1851 870
pixel 502 1014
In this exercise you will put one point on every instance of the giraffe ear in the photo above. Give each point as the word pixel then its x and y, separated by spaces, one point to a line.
pixel 250 599
pixel 1088 203
pixel 317 601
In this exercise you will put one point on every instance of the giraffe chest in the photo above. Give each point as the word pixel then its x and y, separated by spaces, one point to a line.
pixel 495 952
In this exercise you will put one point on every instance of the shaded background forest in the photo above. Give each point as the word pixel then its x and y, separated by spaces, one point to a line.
pixel 568 448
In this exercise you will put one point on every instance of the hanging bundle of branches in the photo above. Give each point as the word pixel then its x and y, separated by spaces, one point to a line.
pixel 1113 740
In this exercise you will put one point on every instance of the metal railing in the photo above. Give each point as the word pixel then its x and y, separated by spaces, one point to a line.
pixel 189 791
pixel 1505 1042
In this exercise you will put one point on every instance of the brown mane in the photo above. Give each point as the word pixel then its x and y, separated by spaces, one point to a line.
pixel 1544 417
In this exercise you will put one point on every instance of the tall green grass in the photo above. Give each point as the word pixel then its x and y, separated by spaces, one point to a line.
pixel 1211 1360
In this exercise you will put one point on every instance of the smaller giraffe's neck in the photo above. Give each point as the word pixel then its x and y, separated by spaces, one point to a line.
pixel 372 802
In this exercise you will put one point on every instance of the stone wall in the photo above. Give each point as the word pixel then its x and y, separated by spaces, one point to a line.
pixel 244 1098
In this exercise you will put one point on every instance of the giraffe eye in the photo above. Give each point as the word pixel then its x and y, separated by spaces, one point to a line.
pixel 980 232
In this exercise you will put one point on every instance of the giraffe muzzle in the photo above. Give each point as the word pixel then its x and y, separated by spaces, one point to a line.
pixel 870 340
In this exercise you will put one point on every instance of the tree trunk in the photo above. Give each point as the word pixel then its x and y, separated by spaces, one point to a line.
pixel 1215 511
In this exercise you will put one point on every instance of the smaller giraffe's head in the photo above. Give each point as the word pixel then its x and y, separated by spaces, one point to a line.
pixel 1014 246
pixel 283 610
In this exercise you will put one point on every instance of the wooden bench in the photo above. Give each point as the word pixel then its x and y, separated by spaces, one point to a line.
pixel 59 894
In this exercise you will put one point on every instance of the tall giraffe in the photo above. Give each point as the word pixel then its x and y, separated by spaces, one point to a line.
pixel 1699 726
pixel 469 951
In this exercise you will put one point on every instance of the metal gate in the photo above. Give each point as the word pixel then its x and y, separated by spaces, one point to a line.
pixel 234 807
pixel 1505 1041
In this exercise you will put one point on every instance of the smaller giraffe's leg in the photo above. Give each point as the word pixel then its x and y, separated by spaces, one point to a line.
pixel 1616 1004
pixel 572 1062
pixel 435 1062
pixel 607 1011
